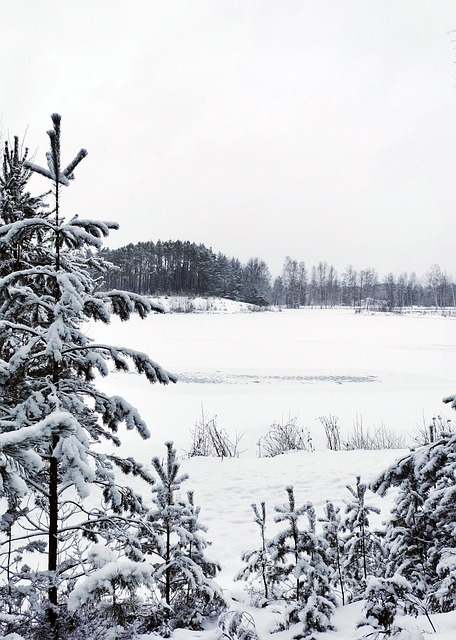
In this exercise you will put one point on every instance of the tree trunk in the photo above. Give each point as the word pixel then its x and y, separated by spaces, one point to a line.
pixel 52 537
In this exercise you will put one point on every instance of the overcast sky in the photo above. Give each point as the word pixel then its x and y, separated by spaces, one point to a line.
pixel 319 129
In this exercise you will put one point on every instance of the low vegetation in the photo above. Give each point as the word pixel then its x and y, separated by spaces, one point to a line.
pixel 371 439
pixel 282 437
pixel 208 439
pixel 406 566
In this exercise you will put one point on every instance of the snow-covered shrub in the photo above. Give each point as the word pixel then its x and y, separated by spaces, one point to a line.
pixel 432 430
pixel 111 585
pixel 332 431
pixel 379 438
pixel 292 567
pixel 444 597
pixel 208 439
pixel 284 436
pixel 108 599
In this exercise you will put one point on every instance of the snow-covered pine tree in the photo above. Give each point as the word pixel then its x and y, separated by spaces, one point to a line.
pixel 363 547
pixel 320 600
pixel 16 203
pixel 385 598
pixel 51 412
pixel 286 550
pixel 440 470
pixel 409 530
pixel 300 569
pixel 173 540
pixel 108 598
pixel 197 543
pixel 332 533
pixel 420 535
pixel 257 568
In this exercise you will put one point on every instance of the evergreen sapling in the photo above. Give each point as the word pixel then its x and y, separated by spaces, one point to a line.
pixel 300 569
pixel 173 539
pixel 363 551
pixel 257 572
pixel 332 534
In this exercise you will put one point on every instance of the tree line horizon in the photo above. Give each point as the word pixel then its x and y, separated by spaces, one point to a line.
pixel 176 267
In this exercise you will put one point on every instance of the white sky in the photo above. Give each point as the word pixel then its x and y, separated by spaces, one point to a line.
pixel 319 129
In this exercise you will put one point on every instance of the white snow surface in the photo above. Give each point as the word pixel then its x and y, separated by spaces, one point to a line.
pixel 197 304
pixel 251 369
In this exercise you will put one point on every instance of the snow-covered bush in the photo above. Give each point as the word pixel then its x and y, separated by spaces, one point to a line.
pixel 432 430
pixel 333 534
pixel 332 431
pixel 208 439
pixel 291 568
pixel 108 595
pixel 379 438
pixel 283 437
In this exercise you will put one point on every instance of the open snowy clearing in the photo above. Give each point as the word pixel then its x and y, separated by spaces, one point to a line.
pixel 252 369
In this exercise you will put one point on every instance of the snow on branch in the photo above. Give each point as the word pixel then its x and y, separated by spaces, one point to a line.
pixel 97 228
pixel 125 303
pixel 53 171
pixel 78 233
pixel 15 230
pixel 57 423
pixel 116 409
pixel 124 573
pixel 37 169
pixel 451 400
pixel 77 470
pixel 20 327
pixel 152 370
pixel 18 446
pixel 131 466
pixel 68 171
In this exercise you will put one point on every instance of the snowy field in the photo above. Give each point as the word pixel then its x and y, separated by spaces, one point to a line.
pixel 251 369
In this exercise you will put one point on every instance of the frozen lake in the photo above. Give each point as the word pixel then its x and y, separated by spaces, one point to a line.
pixel 251 369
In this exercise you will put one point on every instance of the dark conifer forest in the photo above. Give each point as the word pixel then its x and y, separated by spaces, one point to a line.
pixel 175 267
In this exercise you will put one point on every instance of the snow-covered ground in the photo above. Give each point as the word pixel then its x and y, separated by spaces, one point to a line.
pixel 195 304
pixel 251 369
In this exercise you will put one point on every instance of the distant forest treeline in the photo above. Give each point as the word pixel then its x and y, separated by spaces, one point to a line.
pixel 177 267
